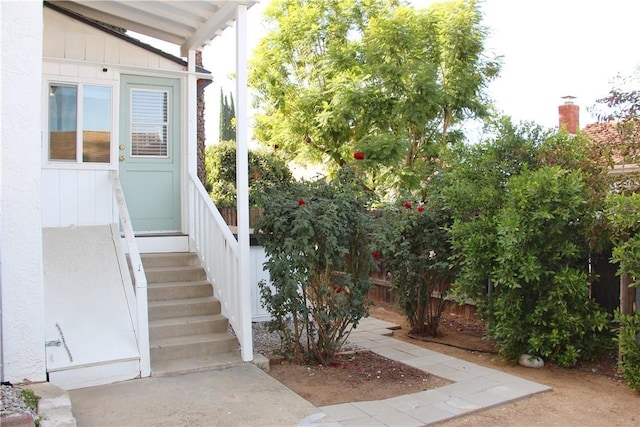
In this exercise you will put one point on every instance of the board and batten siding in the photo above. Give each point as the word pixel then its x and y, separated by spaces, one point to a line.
pixel 72 197
pixel 67 38
pixel 81 194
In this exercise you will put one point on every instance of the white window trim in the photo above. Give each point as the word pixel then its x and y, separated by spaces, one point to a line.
pixel 115 111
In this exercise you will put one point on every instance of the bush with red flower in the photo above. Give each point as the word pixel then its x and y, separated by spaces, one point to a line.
pixel 415 246
pixel 314 234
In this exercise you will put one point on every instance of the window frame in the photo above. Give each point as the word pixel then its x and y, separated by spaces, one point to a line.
pixel 78 163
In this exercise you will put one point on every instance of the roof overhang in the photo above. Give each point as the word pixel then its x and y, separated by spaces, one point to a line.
pixel 188 24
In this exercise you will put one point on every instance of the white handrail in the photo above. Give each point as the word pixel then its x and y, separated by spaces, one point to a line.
pixel 219 252
pixel 139 278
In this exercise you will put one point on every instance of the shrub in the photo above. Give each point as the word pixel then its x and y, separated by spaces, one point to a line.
pixel 415 249
pixel 264 169
pixel 541 303
pixel 628 339
pixel 315 237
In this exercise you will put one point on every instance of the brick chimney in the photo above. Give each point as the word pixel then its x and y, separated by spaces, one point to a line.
pixel 569 115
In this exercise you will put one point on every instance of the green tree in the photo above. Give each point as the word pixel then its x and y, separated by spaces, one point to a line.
pixel 391 83
pixel 227 117
pixel 265 169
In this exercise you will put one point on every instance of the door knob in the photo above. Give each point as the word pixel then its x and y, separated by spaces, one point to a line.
pixel 121 147
pixel 122 158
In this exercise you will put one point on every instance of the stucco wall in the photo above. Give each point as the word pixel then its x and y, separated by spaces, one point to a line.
pixel 20 192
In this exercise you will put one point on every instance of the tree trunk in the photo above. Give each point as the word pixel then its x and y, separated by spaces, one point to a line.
pixel 201 133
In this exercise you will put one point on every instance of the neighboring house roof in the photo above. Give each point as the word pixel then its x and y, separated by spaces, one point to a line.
pixel 608 134
pixel 202 83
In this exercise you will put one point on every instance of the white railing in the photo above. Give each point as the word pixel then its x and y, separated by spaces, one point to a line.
pixel 141 323
pixel 219 252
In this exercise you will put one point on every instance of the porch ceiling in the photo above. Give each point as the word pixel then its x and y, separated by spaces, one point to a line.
pixel 189 24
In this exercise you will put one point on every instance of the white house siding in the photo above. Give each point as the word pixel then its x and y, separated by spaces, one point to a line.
pixel 81 195
pixel 66 38
pixel 77 198
pixel 23 354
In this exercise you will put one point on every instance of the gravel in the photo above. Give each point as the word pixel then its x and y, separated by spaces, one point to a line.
pixel 13 404
pixel 264 342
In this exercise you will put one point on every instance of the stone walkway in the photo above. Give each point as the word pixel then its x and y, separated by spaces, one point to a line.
pixel 474 387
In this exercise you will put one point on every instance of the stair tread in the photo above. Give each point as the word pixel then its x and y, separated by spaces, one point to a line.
pixel 186 319
pixel 173 268
pixel 195 300
pixel 179 283
pixel 195 364
pixel 167 254
pixel 191 339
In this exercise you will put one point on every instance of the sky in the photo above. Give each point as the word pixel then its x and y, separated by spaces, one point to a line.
pixel 549 49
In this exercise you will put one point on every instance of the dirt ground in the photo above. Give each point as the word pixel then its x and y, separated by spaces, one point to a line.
pixel 588 395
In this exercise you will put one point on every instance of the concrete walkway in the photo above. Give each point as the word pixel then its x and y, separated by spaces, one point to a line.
pixel 244 395
pixel 474 387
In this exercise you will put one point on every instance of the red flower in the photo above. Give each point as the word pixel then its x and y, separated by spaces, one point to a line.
pixel 301 202
pixel 376 254
pixel 420 209
pixel 407 205
pixel 339 290
pixel 358 155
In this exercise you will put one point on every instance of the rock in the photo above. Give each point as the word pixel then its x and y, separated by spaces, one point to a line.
pixel 530 361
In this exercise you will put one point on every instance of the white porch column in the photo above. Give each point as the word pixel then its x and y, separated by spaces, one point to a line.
pixel 21 272
pixel 242 182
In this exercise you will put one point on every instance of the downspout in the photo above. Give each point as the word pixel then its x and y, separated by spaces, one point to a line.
pixel 242 183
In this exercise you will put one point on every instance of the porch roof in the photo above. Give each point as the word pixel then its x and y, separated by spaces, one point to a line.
pixel 189 24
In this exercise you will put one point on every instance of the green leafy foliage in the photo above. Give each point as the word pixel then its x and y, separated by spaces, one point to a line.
pixel 264 169
pixel 474 189
pixel 315 236
pixel 525 216
pixel 413 245
pixel 623 213
pixel 541 304
pixel 337 77
pixel 628 339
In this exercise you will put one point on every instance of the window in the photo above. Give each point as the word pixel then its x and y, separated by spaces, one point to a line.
pixel 79 122
pixel 149 123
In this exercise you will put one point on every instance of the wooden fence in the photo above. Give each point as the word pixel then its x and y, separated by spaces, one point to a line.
pixel 380 290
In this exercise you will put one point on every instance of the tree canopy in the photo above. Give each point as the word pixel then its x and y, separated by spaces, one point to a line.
pixel 369 81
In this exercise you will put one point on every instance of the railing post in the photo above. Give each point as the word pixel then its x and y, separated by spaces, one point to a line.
pixel 139 278
pixel 242 182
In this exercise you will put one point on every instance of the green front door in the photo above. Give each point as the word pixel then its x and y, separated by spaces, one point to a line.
pixel 149 152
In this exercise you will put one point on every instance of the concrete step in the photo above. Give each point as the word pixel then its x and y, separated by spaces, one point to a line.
pixel 162 368
pixel 190 346
pixel 171 259
pixel 188 273
pixel 192 325
pixel 183 308
pixel 179 290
